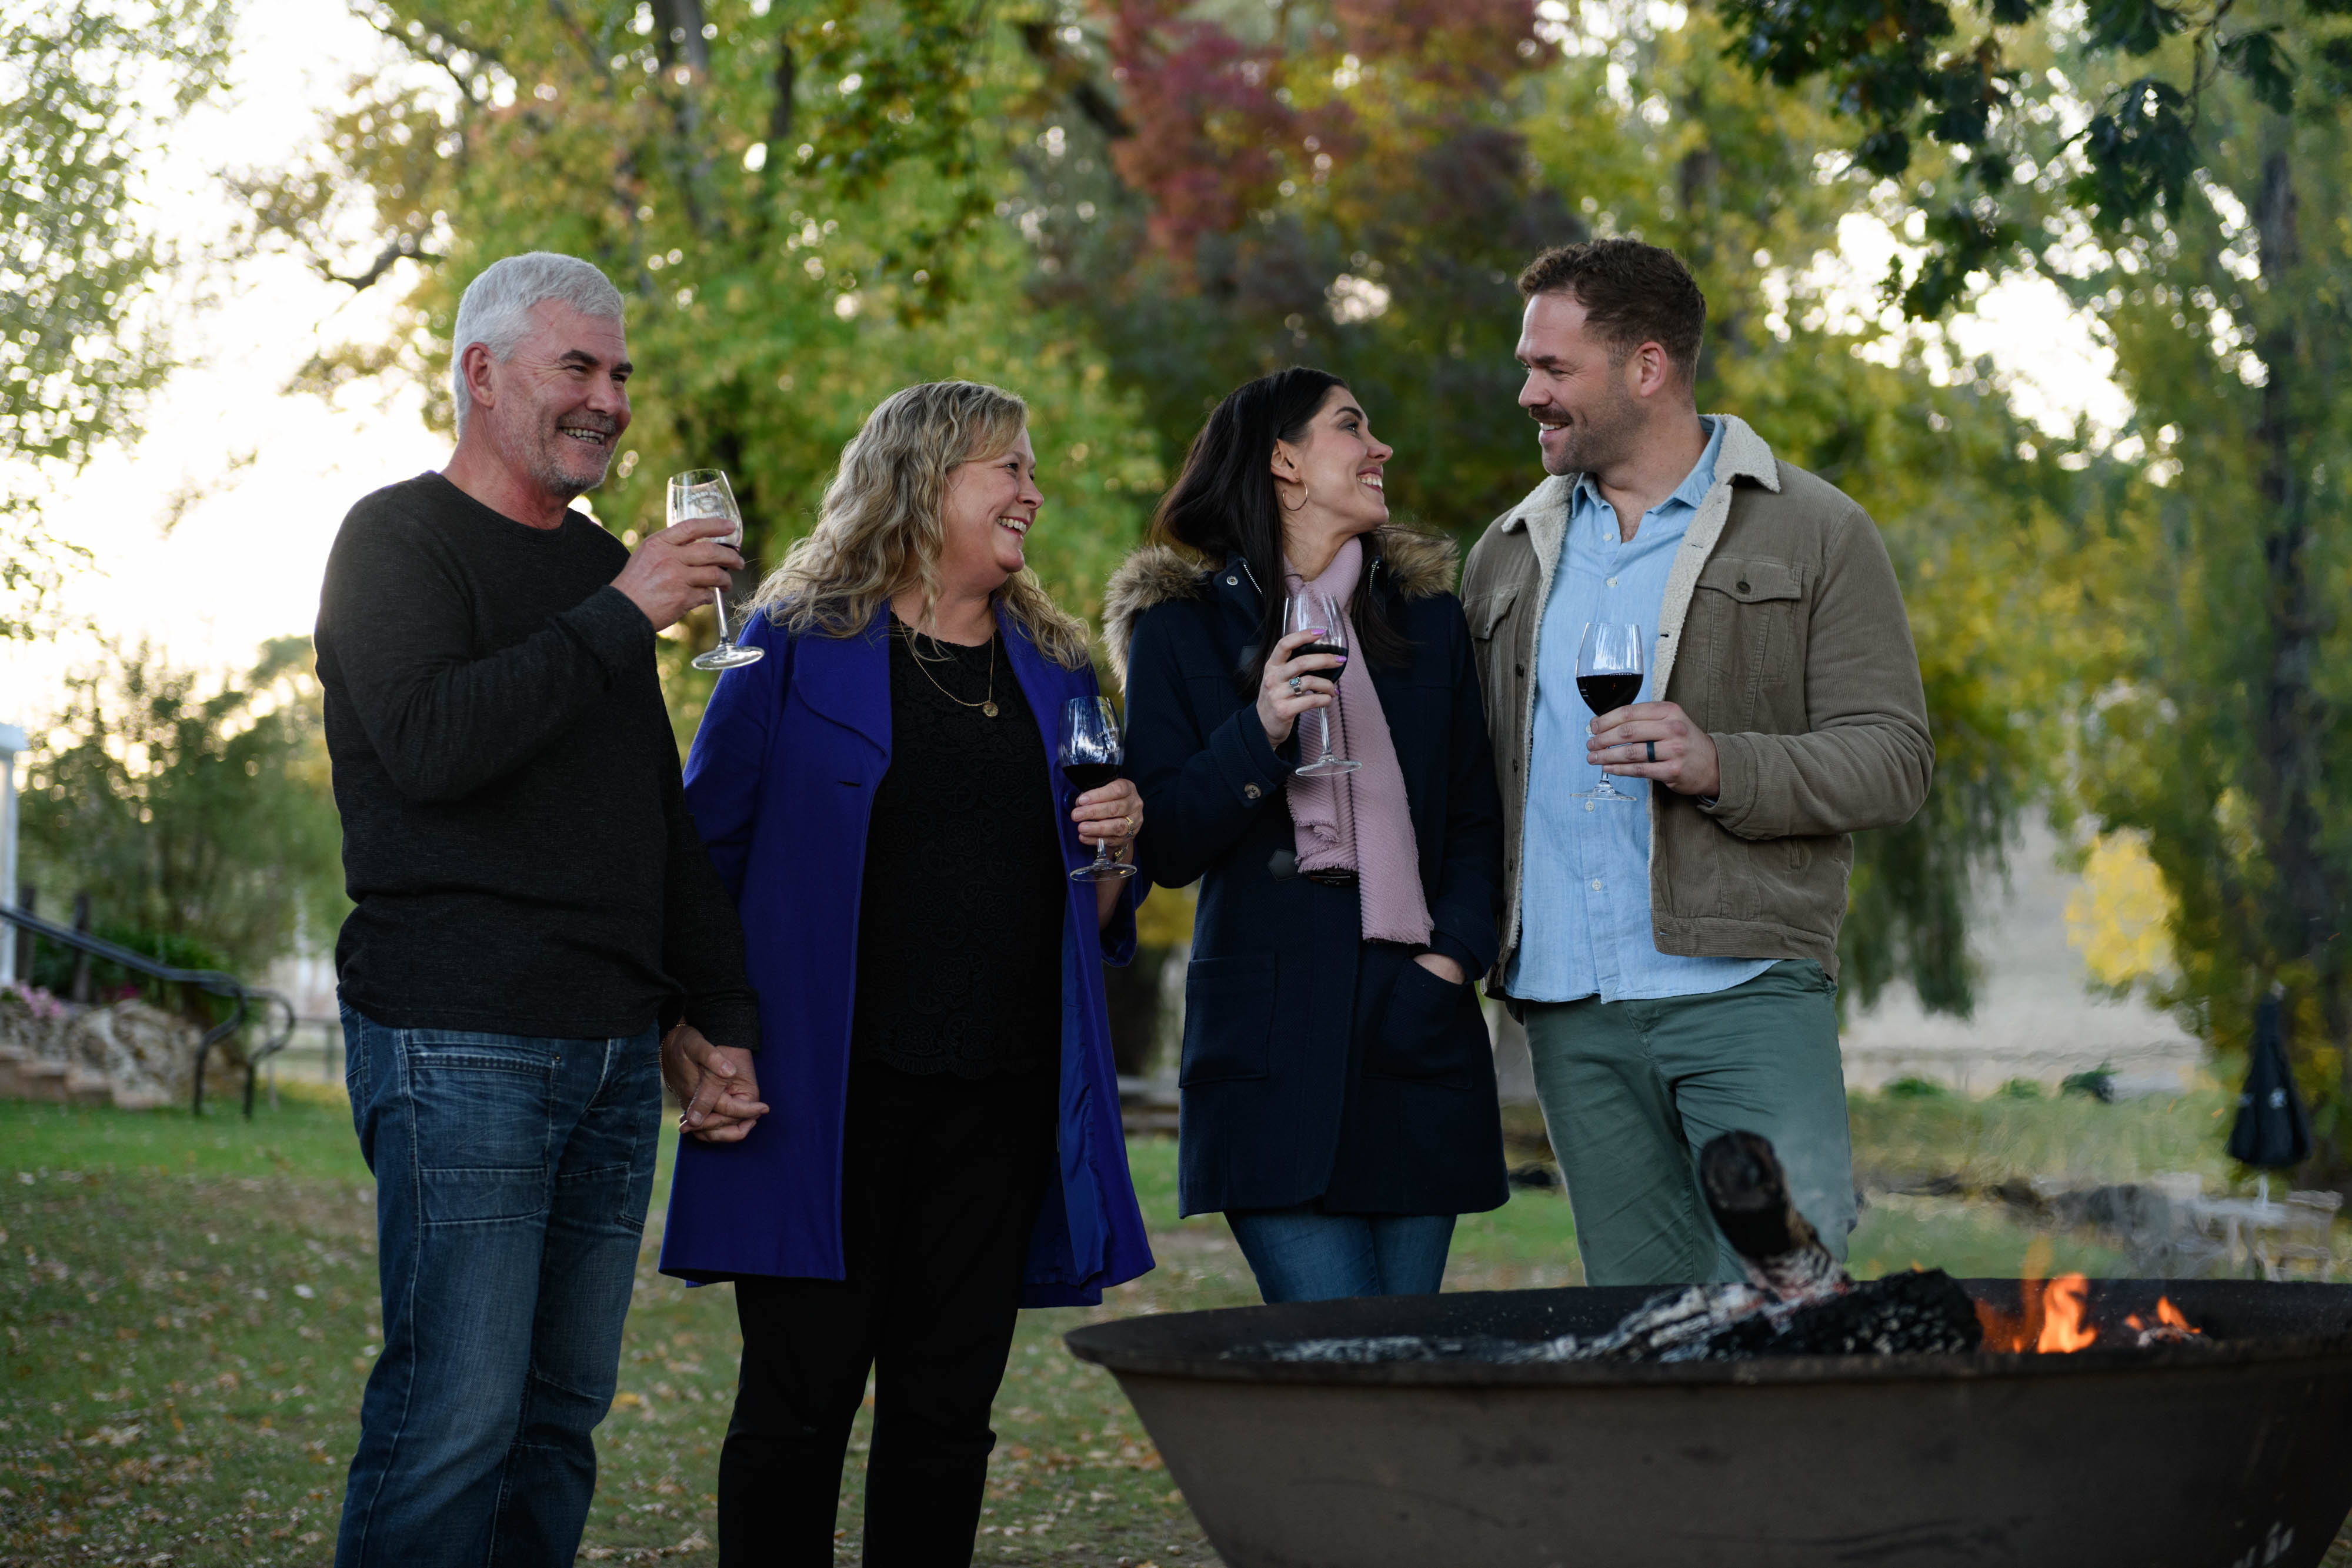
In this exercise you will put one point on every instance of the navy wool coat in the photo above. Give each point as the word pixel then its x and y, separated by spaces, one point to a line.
pixel 780 781
pixel 1317 1064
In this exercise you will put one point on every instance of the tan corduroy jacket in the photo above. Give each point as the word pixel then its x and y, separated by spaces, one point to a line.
pixel 1782 635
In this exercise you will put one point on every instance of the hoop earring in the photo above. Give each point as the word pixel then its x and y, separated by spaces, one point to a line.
pixel 1303 498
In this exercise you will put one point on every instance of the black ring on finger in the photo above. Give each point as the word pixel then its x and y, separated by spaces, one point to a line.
pixel 1654 749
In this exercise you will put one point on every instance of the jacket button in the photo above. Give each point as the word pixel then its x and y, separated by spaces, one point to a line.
pixel 1745 588
pixel 1233 581
pixel 1522 671
pixel 1250 792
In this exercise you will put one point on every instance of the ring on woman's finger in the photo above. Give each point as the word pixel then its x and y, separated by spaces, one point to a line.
pixel 1295 682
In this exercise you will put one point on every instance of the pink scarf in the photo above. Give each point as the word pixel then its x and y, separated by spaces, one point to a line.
pixel 1359 821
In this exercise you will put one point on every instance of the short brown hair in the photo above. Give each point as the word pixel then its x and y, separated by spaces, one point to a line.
pixel 1631 293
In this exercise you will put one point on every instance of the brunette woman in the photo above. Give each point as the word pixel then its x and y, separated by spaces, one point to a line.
pixel 879 793
pixel 1338 1086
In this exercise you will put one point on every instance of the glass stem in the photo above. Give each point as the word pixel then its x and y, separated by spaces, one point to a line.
pixel 719 600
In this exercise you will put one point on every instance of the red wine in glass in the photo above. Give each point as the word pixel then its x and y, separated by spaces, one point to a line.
pixel 1090 754
pixel 1608 676
pixel 1604 693
pixel 1311 610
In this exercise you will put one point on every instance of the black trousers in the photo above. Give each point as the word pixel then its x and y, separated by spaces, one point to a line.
pixel 941 1179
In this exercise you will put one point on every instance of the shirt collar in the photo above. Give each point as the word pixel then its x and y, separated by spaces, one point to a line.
pixel 1687 495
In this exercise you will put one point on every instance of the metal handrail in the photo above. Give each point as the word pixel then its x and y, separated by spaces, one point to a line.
pixel 210 980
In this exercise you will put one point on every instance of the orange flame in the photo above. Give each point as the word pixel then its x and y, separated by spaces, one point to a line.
pixel 2063 1327
pixel 2054 1318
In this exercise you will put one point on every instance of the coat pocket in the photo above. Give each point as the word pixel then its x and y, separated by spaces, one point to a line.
pixel 1486 612
pixel 1752 582
pixel 1430 1031
pixel 1228 1020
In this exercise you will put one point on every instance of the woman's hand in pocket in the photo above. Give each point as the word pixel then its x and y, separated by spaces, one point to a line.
pixel 1445 968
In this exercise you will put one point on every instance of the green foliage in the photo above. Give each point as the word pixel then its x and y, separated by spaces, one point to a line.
pixel 1123 212
pixel 53 969
pixel 1915 1089
pixel 2220 568
pixel 199 824
pixel 2098 1084
pixel 1357 187
pixel 82 86
pixel 1896 71
pixel 798 206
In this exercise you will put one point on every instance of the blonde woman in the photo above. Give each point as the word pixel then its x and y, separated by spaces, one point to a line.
pixel 879 796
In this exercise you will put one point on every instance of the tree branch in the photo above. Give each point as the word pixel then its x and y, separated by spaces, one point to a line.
pixel 401 247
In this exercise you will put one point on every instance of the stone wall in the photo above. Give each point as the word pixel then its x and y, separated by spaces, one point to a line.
pixel 127 1054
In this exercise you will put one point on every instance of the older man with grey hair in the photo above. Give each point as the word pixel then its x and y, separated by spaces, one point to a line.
pixel 532 908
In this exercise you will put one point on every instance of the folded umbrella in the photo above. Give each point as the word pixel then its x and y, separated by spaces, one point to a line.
pixel 2272 1132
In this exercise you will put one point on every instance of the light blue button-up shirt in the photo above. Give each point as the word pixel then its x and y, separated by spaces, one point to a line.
pixel 1584 866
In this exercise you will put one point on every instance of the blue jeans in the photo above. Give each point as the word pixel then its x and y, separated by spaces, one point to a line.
pixel 1302 1254
pixel 512 1174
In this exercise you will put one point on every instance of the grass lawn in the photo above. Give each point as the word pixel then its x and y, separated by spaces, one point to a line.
pixel 190 1311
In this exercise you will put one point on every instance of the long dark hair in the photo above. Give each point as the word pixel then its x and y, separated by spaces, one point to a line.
pixel 1223 504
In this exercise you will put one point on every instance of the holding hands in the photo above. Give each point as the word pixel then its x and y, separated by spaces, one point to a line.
pixel 1655 740
pixel 1294 685
pixel 718 1085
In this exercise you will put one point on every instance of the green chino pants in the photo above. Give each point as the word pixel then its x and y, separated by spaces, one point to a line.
pixel 1632 1090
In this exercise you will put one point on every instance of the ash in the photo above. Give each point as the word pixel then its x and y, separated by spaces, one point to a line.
pixel 1796 1300
pixel 1925 1312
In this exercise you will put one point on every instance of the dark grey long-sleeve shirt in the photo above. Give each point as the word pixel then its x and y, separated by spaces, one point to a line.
pixel 515 834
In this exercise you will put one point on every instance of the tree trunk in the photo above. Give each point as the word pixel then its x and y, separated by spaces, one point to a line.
pixel 2292 718
pixel 679 41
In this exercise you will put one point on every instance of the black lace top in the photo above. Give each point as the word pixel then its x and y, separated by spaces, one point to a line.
pixel 960 926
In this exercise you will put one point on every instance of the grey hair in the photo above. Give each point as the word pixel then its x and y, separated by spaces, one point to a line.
pixel 496 309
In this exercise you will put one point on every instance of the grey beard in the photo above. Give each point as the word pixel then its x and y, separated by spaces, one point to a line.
pixel 548 472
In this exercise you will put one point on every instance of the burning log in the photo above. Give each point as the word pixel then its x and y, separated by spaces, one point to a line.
pixel 1797 1300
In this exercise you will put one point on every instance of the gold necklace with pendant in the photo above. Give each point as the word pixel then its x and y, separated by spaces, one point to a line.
pixel 987 705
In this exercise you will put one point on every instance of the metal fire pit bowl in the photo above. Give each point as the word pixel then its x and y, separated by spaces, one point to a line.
pixel 2236 1454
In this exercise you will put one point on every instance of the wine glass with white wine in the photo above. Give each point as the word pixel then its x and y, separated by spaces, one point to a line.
pixel 700 493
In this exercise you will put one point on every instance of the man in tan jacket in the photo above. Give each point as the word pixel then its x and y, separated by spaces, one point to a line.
pixel 1675 956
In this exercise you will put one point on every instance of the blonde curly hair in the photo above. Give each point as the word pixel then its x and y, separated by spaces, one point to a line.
pixel 880 526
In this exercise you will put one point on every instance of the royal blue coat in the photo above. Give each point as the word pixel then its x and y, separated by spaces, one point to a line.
pixel 780 779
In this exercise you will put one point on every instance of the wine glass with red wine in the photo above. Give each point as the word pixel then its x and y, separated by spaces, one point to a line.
pixel 1090 754
pixel 1311 611
pixel 1607 677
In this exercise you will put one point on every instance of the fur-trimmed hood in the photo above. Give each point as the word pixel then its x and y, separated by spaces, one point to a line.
pixel 1421 565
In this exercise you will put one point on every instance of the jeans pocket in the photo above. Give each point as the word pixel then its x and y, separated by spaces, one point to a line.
pixel 1425 1032
pixel 356 1031
pixel 1228 1020
pixel 482 1108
